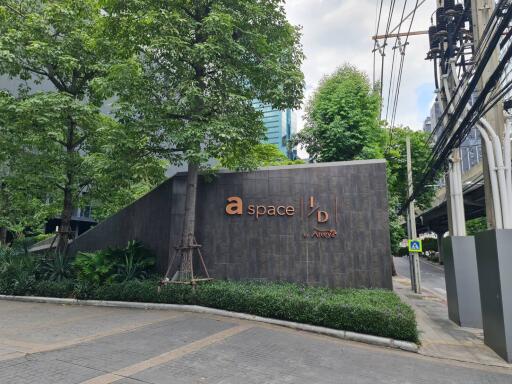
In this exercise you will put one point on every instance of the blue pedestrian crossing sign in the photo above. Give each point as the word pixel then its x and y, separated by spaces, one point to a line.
pixel 415 246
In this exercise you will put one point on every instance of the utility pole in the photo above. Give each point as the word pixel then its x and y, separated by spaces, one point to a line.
pixel 414 259
pixel 481 11
pixel 446 85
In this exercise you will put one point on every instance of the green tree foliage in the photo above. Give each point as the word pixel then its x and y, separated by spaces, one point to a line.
pixel 115 265
pixel 475 226
pixel 192 70
pixel 396 230
pixel 342 118
pixel 21 206
pixel 261 155
pixel 395 155
pixel 62 147
pixel 342 123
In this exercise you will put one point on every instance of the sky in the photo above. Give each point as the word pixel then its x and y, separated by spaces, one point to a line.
pixel 339 31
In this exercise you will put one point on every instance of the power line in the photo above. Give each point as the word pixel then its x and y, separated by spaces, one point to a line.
pixel 388 24
pixel 377 26
pixel 500 19
pixel 482 45
pixel 397 42
pixel 408 15
pixel 399 81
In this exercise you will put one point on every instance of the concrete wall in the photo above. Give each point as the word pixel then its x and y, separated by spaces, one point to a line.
pixel 493 251
pixel 353 194
pixel 461 275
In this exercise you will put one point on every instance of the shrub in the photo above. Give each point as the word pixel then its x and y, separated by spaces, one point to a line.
pixel 56 267
pixel 17 271
pixel 61 288
pixel 477 225
pixel 5 253
pixel 134 262
pixel 23 243
pixel 376 312
pixel 83 290
pixel 93 267
pixel 429 244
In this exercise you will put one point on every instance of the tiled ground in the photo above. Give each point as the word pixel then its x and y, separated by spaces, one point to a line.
pixel 51 344
pixel 440 337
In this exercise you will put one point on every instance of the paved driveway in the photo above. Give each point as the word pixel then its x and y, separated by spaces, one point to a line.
pixel 50 344
pixel 432 276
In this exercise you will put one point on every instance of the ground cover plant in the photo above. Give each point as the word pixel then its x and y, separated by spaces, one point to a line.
pixel 21 271
pixel 375 312
pixel 128 274
pixel 134 262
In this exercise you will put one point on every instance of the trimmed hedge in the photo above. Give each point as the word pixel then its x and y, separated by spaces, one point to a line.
pixel 47 288
pixel 375 312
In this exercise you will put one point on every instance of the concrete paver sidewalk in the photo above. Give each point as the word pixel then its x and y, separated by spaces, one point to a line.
pixel 440 337
pixel 59 344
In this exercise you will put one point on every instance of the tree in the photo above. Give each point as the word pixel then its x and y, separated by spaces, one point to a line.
pixel 261 155
pixel 396 229
pixel 342 123
pixel 192 72
pixel 342 118
pixel 24 199
pixel 395 154
pixel 60 136
pixel 476 225
pixel 21 208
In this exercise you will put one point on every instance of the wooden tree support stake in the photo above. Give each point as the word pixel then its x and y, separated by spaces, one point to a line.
pixel 185 272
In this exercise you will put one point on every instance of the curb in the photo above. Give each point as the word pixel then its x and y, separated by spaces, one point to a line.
pixel 344 335
pixel 437 266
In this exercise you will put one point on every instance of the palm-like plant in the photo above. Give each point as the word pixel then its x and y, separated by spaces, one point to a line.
pixel 17 270
pixel 134 262
pixel 137 262
pixel 57 267
pixel 94 267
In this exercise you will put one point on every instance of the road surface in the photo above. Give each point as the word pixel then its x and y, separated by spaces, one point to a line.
pixel 56 344
pixel 432 276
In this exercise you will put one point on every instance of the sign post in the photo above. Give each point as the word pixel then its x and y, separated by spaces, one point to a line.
pixel 414 259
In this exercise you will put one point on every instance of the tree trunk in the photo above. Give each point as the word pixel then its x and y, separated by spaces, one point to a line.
pixel 65 221
pixel 189 222
pixel 3 236
pixel 4 203
pixel 67 209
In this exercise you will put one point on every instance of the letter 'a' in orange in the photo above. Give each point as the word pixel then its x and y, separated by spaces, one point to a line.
pixel 234 206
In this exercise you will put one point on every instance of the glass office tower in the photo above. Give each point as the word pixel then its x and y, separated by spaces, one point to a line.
pixel 280 125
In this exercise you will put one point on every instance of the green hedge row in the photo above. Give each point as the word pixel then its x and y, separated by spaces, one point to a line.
pixel 375 312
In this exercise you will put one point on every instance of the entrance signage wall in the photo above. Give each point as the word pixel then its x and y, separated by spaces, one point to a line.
pixel 318 224
pixel 308 208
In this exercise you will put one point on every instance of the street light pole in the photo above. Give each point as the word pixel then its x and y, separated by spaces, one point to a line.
pixel 414 259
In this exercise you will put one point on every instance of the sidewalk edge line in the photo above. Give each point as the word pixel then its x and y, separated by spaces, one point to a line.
pixel 340 334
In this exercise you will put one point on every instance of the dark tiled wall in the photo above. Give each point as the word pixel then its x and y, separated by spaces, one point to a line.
pixel 274 248
pixel 146 220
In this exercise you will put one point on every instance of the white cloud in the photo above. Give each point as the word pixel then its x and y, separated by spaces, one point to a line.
pixel 339 31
